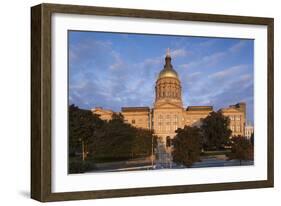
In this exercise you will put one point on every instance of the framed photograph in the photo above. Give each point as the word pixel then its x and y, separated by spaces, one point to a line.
pixel 130 102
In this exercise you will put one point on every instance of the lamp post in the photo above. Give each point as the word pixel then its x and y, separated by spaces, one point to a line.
pixel 152 151
pixel 83 148
pixel 83 151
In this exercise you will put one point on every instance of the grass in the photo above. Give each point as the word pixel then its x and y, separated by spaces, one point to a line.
pixel 103 159
pixel 77 165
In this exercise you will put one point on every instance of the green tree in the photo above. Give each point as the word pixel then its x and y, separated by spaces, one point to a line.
pixel 241 149
pixel 83 124
pixel 187 145
pixel 103 141
pixel 114 141
pixel 144 142
pixel 216 132
pixel 252 138
pixel 119 141
pixel 117 118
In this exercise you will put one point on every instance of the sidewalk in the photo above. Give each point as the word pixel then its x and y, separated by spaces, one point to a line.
pixel 133 164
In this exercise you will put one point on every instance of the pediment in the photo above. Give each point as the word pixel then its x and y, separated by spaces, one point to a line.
pixel 167 105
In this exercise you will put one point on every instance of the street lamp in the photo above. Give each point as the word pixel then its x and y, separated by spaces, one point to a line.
pixel 83 149
pixel 152 151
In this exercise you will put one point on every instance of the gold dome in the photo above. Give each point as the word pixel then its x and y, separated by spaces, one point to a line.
pixel 168 70
pixel 168 73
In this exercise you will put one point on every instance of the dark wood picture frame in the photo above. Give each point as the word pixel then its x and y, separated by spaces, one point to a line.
pixel 41 101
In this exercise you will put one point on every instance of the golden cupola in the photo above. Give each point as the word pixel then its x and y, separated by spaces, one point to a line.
pixel 168 85
pixel 168 70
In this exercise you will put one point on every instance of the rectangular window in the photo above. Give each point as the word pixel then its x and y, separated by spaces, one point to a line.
pixel 238 128
pixel 133 121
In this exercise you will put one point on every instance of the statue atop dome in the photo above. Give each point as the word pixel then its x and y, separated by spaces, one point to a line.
pixel 168 52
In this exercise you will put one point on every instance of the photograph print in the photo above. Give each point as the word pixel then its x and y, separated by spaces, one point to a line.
pixel 152 102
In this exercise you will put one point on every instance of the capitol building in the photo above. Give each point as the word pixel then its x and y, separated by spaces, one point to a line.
pixel 168 113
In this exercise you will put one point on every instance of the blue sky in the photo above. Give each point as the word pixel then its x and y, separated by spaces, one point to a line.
pixel 113 70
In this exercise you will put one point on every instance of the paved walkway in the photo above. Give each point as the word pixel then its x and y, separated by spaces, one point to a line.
pixel 163 156
pixel 164 160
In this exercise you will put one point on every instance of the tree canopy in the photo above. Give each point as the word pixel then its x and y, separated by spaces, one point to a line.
pixel 83 124
pixel 216 132
pixel 111 140
pixel 252 138
pixel 187 145
pixel 241 149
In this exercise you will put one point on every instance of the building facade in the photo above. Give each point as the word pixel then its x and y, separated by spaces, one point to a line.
pixel 168 112
pixel 237 116
pixel 249 130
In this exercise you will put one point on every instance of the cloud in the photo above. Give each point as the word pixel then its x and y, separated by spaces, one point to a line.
pixel 208 82
pixel 109 80
pixel 239 90
pixel 220 89
pixel 178 53
pixel 205 60
pixel 101 74
pixel 118 62
pixel 207 43
pixel 238 46
pixel 228 72
pixel 194 75
pixel 87 47
pixel 213 58
pixel 152 61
